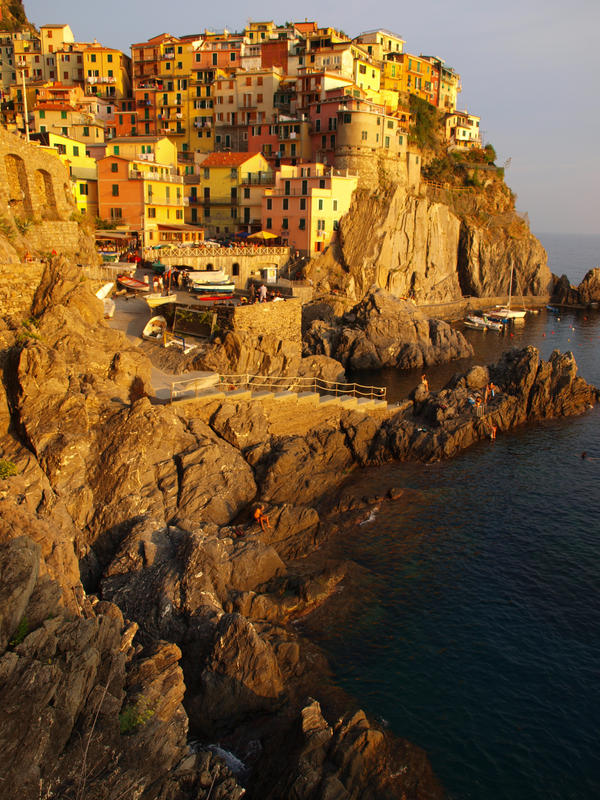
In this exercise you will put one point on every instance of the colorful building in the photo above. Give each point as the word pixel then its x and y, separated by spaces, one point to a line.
pixel 462 131
pixel 82 169
pixel 221 181
pixel 107 72
pixel 305 205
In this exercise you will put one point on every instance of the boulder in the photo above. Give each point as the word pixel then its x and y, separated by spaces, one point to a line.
pixel 589 288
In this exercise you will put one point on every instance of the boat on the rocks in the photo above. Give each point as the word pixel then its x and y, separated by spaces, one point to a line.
pixel 109 304
pixel 154 328
pixel 132 284
pixel 155 299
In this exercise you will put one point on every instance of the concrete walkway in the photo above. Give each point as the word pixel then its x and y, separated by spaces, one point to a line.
pixel 131 316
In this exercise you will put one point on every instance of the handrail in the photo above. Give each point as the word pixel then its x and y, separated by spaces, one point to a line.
pixel 207 251
pixel 284 383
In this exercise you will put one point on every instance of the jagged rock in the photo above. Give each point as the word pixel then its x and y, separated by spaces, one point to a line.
pixel 241 677
pixel 350 759
pixel 563 292
pixel 382 331
pixel 241 424
pixel 299 468
pixel 589 288
pixel 417 247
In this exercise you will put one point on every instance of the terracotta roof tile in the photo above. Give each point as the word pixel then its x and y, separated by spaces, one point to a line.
pixel 227 159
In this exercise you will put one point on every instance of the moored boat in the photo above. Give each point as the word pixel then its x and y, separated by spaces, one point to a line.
pixel 475 323
pixel 154 328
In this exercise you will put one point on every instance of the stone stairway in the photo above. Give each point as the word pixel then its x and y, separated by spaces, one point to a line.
pixel 306 399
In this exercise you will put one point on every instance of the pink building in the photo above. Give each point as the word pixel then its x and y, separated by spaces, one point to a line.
pixel 306 204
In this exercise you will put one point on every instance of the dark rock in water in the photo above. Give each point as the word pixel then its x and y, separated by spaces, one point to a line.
pixel 448 421
pixel 564 293
pixel 385 331
pixel 589 288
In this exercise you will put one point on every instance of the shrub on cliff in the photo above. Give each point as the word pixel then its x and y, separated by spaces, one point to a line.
pixel 426 124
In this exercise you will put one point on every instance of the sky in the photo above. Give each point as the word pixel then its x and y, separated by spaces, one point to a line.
pixel 529 69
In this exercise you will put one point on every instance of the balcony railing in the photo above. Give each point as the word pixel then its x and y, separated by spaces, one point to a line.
pixel 259 179
pixel 167 201
pixel 152 175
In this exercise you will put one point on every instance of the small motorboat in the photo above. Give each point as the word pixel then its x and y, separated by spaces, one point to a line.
pixel 132 284
pixel 213 289
pixel 506 314
pixel 154 299
pixel 155 328
pixel 475 323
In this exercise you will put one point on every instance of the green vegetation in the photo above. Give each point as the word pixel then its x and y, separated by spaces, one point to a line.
pixel 426 123
pixel 134 716
pixel 23 224
pixel 20 633
pixel 106 224
pixel 7 228
pixel 7 469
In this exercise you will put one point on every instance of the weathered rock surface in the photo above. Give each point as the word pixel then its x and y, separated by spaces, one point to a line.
pixel 585 294
pixel 420 248
pixel 101 717
pixel 384 331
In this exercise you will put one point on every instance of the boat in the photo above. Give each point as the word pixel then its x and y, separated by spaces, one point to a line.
pixel 476 323
pixel 155 328
pixel 154 299
pixel 213 289
pixel 109 305
pixel 210 282
pixel 553 309
pixel 132 284
pixel 482 321
pixel 506 313
pixel 158 268
pixel 215 298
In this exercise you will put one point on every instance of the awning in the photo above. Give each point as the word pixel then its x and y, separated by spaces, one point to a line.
pixel 264 235
pixel 113 235
pixel 163 227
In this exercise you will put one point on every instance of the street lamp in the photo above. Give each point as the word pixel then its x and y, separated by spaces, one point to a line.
pixel 22 65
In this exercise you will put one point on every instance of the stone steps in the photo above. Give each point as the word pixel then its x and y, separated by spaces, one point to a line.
pixel 306 399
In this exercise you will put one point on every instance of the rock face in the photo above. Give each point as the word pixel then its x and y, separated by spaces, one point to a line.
pixel 585 294
pixel 438 425
pixel 155 504
pixel 420 248
pixel 384 331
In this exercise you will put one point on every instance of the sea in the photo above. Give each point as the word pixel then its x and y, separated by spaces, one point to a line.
pixel 473 619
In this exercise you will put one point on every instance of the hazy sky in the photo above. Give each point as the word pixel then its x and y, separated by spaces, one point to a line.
pixel 529 68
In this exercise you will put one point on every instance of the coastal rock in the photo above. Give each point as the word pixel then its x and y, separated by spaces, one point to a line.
pixel 432 251
pixel 384 331
pixel 241 677
pixel 589 288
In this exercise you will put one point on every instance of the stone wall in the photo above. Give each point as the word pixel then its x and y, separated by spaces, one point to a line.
pixel 64 237
pixel 17 287
pixel 373 168
pixel 34 185
pixel 280 320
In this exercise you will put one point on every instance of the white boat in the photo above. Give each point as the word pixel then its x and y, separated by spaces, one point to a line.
pixel 155 299
pixel 213 288
pixel 155 328
pixel 506 313
pixel 109 305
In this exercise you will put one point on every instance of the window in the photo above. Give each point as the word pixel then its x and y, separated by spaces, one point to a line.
pixel 63 114
pixel 269 224
pixel 269 203
pixel 286 204
pixel 178 214
pixel 321 183
pixel 109 58
pixel 387 141
pixel 42 115
pixel 303 204
pixel 232 56
pixel 390 123
pixel 284 223
pixel 235 269
pixel 320 224
pixel 335 202
pixel 115 190
pixel 206 173
pixel 302 224
pixel 286 187
pixel 93 58
pixel 234 173
pixel 116 213
pixel 151 213
pixel 320 204
pixel 83 188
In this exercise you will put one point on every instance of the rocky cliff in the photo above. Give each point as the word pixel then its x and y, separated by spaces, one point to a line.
pixel 435 247
pixel 145 615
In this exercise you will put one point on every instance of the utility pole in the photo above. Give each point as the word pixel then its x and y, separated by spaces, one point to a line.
pixel 22 65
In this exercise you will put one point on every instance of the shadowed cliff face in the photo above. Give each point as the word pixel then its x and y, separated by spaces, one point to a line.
pixel 420 248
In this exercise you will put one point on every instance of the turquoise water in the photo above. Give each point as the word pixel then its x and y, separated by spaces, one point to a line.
pixel 477 633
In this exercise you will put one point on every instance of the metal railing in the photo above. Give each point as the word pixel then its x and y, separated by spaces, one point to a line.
pixel 286 383
pixel 279 383
pixel 208 252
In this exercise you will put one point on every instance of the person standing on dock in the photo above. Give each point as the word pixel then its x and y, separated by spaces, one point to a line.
pixel 262 294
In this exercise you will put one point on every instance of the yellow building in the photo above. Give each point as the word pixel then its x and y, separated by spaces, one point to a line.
pixel 138 186
pixel 69 121
pixel 83 170
pixel 222 180
pixel 107 72
pixel 462 131
pixel 380 43
pixel 416 76
pixel 367 75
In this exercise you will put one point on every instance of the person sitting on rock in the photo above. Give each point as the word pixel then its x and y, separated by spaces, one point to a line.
pixel 261 518
pixel 425 382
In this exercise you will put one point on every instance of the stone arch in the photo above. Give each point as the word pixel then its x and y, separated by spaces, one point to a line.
pixel 19 197
pixel 44 188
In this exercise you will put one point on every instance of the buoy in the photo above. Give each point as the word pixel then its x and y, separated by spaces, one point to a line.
pixel 544 334
pixel 552 333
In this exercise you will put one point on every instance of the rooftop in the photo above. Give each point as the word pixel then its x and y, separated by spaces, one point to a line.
pixel 227 159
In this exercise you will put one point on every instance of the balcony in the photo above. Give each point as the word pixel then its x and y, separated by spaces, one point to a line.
pixel 259 179
pixel 167 56
pixel 167 201
pixel 152 175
